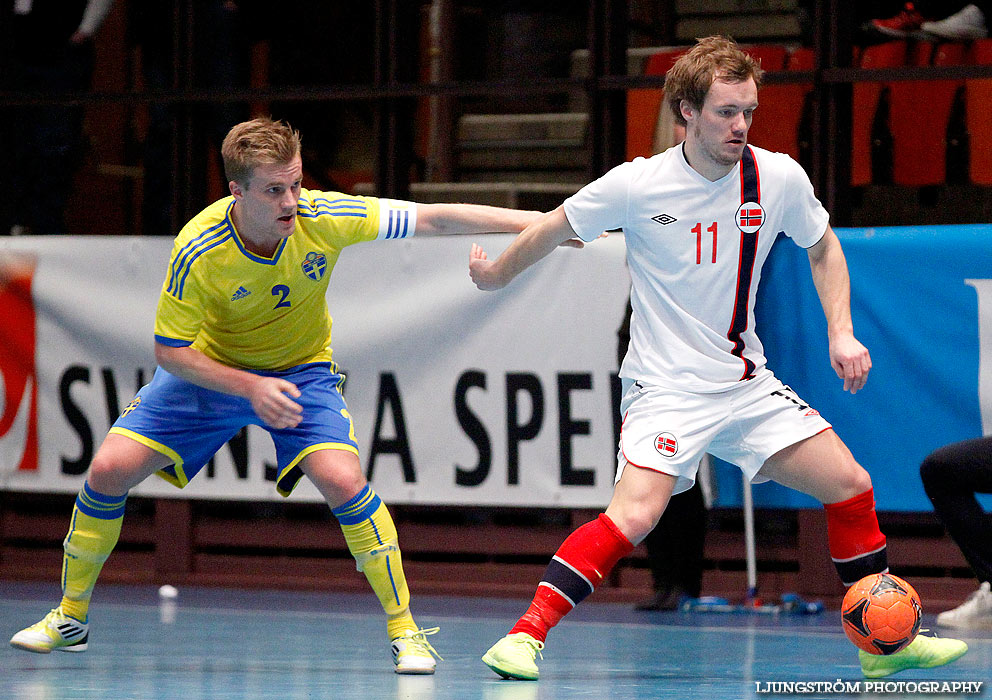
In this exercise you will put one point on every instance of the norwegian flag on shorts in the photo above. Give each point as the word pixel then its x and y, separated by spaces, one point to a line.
pixel 666 444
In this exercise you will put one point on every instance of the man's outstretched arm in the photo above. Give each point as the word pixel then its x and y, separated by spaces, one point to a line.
pixel 536 241
pixel 471 218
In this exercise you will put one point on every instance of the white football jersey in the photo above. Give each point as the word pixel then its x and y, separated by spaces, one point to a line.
pixel 695 250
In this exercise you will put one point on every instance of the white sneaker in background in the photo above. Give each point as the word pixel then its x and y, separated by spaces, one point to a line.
pixel 974 613
pixel 964 25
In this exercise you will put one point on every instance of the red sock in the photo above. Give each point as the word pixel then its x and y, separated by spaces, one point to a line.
pixel 857 546
pixel 580 564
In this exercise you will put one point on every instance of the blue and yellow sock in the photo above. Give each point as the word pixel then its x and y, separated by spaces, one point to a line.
pixel 371 536
pixel 93 533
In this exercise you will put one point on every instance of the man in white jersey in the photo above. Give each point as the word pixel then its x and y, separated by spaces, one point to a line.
pixel 699 221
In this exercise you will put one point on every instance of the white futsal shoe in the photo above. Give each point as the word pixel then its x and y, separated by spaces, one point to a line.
pixel 56 632
pixel 413 654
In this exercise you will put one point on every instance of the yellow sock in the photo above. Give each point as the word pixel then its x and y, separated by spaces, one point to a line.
pixel 93 532
pixel 371 536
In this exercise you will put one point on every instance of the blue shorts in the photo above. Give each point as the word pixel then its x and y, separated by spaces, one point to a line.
pixel 189 423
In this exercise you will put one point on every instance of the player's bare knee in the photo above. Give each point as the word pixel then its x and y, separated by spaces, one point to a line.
pixel 336 474
pixel 634 522
pixel 107 476
pixel 855 480
pixel 339 488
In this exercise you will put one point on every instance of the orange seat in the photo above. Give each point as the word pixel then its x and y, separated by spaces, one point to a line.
pixel 865 103
pixel 771 56
pixel 921 111
pixel 978 106
pixel 644 105
pixel 981 52
pixel 920 53
pixel 780 109
pixel 801 59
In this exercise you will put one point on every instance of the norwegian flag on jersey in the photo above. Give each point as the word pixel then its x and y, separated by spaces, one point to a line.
pixel 750 217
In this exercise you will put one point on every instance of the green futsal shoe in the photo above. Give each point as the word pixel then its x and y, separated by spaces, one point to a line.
pixel 514 656
pixel 922 652
pixel 413 654
pixel 57 632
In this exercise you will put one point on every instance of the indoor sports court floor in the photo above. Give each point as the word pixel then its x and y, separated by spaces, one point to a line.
pixel 217 644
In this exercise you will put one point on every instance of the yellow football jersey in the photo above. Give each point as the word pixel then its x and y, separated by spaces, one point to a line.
pixel 253 312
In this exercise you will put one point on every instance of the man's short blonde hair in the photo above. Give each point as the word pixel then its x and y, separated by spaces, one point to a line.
pixel 712 58
pixel 262 141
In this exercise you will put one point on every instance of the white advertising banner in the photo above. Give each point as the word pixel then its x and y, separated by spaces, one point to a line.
pixel 458 396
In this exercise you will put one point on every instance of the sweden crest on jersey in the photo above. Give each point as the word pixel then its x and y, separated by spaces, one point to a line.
pixel 133 405
pixel 314 265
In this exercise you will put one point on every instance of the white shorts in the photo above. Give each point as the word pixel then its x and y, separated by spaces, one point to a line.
pixel 669 430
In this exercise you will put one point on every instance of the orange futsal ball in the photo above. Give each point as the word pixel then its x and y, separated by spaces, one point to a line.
pixel 881 614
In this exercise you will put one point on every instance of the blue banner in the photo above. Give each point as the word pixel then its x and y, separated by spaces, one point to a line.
pixel 915 300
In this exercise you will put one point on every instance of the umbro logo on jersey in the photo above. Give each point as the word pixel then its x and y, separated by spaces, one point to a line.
pixel 240 294
pixel 664 219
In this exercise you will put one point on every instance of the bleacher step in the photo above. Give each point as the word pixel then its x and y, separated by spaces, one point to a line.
pixel 733 7
pixel 637 57
pixel 522 142
pixel 540 196
pixel 523 130
pixel 747 28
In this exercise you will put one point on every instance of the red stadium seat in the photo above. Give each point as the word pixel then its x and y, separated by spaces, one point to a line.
pixel 776 123
pixel 978 105
pixel 801 59
pixel 771 56
pixel 865 102
pixel 980 52
pixel 920 53
pixel 921 111
pixel 644 105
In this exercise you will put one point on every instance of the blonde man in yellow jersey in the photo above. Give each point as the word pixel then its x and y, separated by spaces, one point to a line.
pixel 242 336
